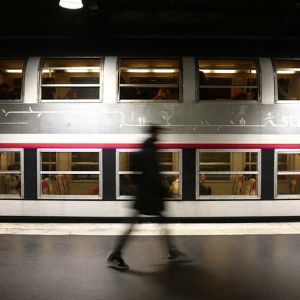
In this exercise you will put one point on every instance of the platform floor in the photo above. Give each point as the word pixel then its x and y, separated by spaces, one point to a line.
pixel 250 266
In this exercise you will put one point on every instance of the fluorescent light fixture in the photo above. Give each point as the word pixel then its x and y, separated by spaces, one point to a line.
pixel 220 71
pixel 138 70
pixel 223 71
pixel 71 4
pixel 151 70
pixel 288 70
pixel 83 70
pixel 285 72
pixel 14 70
pixel 164 70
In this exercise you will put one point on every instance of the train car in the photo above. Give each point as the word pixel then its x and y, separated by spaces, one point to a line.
pixel 70 127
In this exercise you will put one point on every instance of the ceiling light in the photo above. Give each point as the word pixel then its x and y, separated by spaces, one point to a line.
pixel 71 4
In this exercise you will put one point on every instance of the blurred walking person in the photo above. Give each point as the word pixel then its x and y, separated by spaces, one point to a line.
pixel 150 193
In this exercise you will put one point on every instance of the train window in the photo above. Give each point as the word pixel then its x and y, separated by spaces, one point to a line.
pixel 228 174
pixel 170 166
pixel 227 79
pixel 11 79
pixel 71 79
pixel 126 174
pixel 156 80
pixel 70 173
pixel 287 73
pixel 287 174
pixel 170 169
pixel 11 173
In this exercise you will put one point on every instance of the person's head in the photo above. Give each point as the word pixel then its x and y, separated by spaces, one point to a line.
pixel 154 130
pixel 202 178
pixel 164 94
pixel 202 77
pixel 171 179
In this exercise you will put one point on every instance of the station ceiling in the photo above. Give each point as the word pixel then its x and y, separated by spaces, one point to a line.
pixel 188 21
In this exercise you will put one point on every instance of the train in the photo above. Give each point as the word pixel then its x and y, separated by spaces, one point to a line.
pixel 70 127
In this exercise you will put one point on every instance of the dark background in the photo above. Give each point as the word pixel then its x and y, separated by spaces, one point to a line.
pixel 151 27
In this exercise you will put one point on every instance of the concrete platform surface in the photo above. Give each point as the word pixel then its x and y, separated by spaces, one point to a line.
pixel 73 267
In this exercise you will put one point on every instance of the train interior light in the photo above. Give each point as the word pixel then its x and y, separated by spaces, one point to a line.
pixel 14 71
pixel 137 70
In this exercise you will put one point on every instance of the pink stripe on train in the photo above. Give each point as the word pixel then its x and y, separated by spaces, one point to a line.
pixel 160 145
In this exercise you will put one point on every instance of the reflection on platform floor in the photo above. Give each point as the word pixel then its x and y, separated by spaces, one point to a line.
pixel 71 267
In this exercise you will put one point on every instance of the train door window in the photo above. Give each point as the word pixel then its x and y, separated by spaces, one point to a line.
pixel 11 173
pixel 287 174
pixel 151 80
pixel 228 174
pixel 170 169
pixel 11 79
pixel 71 79
pixel 227 79
pixel 70 173
pixel 287 78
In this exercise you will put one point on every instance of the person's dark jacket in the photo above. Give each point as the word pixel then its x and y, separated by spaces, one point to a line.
pixel 150 190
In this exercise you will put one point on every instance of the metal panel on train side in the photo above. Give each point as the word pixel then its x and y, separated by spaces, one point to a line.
pixel 180 118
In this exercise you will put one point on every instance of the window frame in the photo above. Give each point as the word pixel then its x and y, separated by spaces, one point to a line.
pixel 180 82
pixel 275 78
pixel 69 197
pixel 21 173
pixel 230 101
pixel 21 99
pixel 229 197
pixel 118 173
pixel 277 172
pixel 100 85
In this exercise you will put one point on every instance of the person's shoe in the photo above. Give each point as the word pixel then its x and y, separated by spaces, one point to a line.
pixel 175 255
pixel 117 262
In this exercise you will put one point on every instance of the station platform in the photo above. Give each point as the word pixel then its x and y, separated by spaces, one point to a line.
pixel 223 261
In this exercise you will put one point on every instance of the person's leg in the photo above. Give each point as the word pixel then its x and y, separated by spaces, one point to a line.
pixel 115 259
pixel 166 233
pixel 122 239
pixel 173 252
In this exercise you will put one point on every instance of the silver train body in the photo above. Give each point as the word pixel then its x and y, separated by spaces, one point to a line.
pixel 109 125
